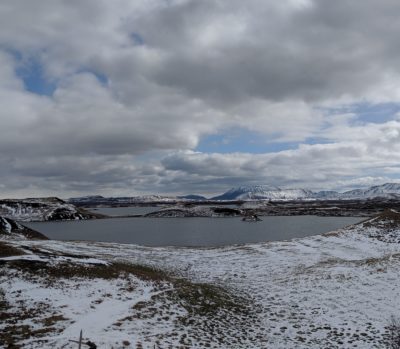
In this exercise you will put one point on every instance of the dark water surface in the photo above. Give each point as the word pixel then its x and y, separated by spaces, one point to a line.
pixel 125 211
pixel 191 231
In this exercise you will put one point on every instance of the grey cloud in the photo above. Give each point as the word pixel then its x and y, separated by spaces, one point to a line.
pixel 202 67
pixel 335 165
pixel 218 51
pixel 311 53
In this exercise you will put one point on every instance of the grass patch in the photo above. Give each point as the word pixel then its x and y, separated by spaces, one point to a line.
pixel 7 250
pixel 3 305
pixel 14 331
pixel 388 219
pixel 205 299
pixel 52 320
pixel 199 297
pixel 87 271
pixel 13 334
pixel 210 309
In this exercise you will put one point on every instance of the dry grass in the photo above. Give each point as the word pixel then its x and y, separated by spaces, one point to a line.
pixel 211 309
pixel 388 219
pixel 69 270
pixel 7 250
pixel 204 298
pixel 14 331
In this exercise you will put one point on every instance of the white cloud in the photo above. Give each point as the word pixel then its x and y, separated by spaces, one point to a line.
pixel 179 70
pixel 371 157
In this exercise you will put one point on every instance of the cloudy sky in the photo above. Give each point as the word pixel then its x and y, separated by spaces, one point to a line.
pixel 129 97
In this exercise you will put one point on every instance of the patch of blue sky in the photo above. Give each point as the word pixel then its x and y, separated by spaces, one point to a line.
pixel 368 112
pixel 102 78
pixel 15 53
pixel 376 113
pixel 241 140
pixel 137 39
pixel 392 175
pixel 32 74
pixel 316 140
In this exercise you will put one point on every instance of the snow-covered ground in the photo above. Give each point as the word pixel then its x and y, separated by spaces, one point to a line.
pixel 41 209
pixel 337 290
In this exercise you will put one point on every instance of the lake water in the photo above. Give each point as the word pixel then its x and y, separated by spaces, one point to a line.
pixel 191 231
pixel 125 211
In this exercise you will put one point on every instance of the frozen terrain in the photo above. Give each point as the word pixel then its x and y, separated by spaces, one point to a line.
pixel 41 209
pixel 262 192
pixel 336 290
pixel 246 193
pixel 12 229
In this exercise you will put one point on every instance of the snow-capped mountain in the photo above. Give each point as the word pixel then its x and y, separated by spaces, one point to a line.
pixel 246 193
pixel 42 209
pixel 261 192
pixel 387 190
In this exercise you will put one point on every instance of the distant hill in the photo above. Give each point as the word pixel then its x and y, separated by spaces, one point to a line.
pixel 261 192
pixel 387 190
pixel 41 209
pixel 89 198
pixel 192 197
pixel 11 228
pixel 247 193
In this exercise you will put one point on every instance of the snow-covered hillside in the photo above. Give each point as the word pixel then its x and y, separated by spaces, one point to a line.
pixel 41 209
pixel 10 229
pixel 388 190
pixel 247 193
pixel 260 192
pixel 337 290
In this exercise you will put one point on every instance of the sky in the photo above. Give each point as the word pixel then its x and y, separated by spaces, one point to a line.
pixel 132 97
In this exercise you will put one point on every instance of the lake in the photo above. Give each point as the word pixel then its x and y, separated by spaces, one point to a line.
pixel 125 211
pixel 191 231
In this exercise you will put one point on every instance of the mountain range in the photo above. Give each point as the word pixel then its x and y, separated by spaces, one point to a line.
pixel 260 192
pixel 249 193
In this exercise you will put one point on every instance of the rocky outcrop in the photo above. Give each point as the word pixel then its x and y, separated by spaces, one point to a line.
pixel 11 228
pixel 42 209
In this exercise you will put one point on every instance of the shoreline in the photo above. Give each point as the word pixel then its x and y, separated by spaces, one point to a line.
pixel 321 291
